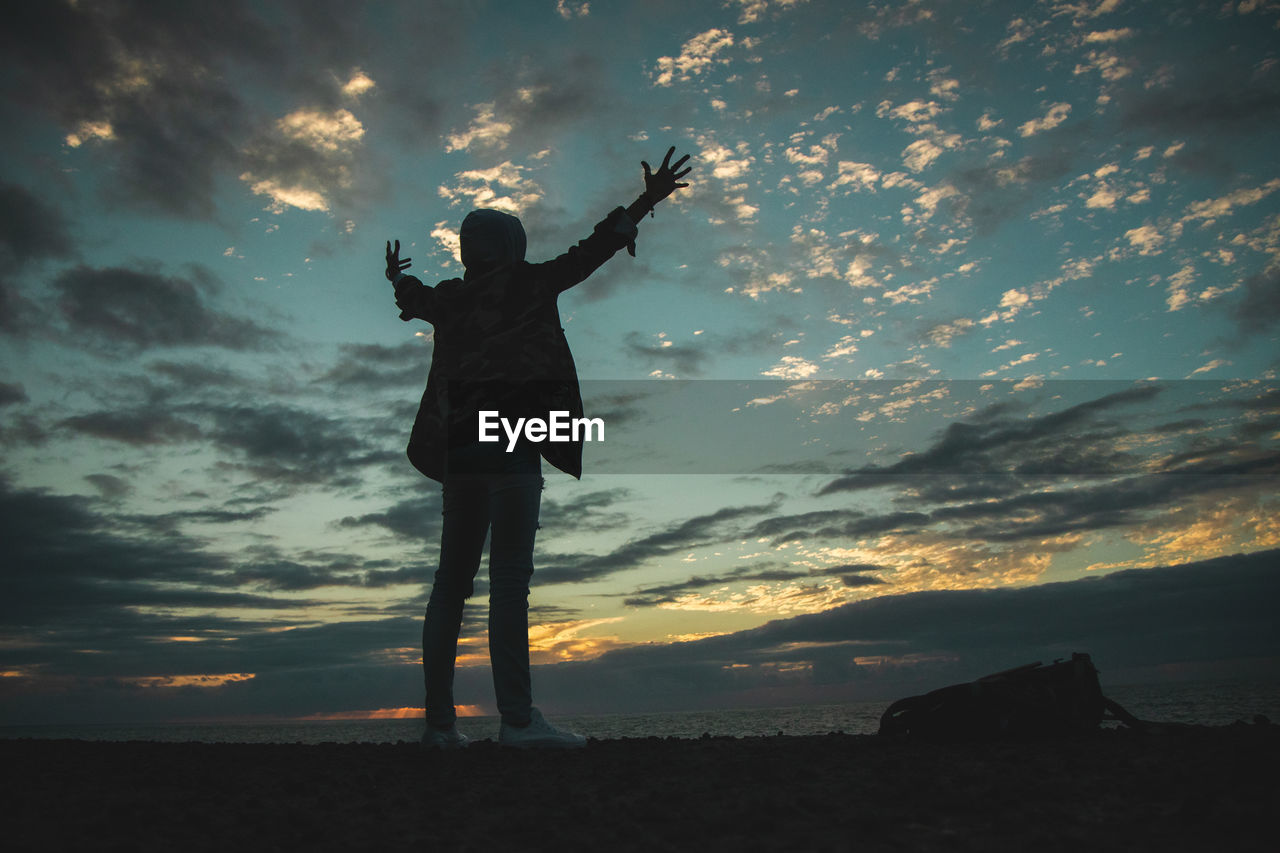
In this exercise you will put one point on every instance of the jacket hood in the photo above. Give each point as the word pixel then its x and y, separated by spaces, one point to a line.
pixel 490 239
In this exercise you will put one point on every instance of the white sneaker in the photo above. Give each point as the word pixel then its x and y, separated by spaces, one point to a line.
pixel 449 738
pixel 539 734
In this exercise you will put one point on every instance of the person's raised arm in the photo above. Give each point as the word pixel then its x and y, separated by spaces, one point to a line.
pixel 616 230
pixel 412 297
pixel 658 185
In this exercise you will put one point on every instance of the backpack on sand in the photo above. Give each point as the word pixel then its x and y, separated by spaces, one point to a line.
pixel 1031 701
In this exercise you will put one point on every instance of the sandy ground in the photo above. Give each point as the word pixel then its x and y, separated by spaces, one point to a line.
pixel 1196 789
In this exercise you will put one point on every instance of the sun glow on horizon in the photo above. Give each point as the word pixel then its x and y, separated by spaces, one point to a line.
pixel 405 713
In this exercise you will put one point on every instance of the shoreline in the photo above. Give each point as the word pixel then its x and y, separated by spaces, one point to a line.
pixel 1190 788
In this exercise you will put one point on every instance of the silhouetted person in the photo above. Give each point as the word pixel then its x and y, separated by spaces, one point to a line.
pixel 499 347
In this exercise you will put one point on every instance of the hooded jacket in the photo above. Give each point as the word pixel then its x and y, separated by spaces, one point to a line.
pixel 498 341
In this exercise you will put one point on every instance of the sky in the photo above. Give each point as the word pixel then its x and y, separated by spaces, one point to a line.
pixel 959 351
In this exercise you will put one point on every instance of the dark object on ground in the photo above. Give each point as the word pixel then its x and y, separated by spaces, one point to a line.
pixel 1031 701
pixel 1112 790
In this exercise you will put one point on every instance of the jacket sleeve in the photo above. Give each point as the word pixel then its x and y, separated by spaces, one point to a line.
pixel 611 234
pixel 415 299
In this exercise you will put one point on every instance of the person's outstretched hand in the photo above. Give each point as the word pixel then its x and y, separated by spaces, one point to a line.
pixel 395 265
pixel 662 183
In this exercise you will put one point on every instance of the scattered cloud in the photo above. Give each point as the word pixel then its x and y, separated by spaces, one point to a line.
pixel 696 56
pixel 505 186
pixel 1056 115
pixel 485 131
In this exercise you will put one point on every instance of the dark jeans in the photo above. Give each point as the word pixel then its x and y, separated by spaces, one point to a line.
pixel 486 491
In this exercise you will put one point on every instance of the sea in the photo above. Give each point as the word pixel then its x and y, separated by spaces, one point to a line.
pixel 1210 703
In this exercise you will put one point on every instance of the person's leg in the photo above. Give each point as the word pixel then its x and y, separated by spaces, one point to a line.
pixel 514 499
pixel 465 521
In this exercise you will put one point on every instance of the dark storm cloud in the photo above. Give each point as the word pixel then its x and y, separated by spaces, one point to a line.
pixel 541 93
pixel 137 309
pixel 1032 444
pixel 416 518
pixel 1014 509
pixel 376 366
pixel 31 229
pixel 67 562
pixel 1200 104
pixel 687 360
pixel 109 486
pixel 1259 309
pixel 11 393
pixel 618 403
pixel 139 646
pixel 1132 621
pixel 77 577
pixel 653 596
pixel 140 427
pixel 52 537
pixel 1003 476
pixel 588 511
pixel 196 376
pixel 278 443
pixel 718 526
pixel 994 194
pixel 154 71
pixel 291 445
pixel 838 524
pixel 157 92
pixel 291 576
pixel 856 581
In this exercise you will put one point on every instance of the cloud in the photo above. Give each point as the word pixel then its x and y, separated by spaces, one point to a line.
pixel 688 360
pixel 570 9
pixel 31 229
pixel 196 375
pixel 62 556
pixel 1105 36
pixel 717 526
pixel 792 367
pixel 588 511
pixel 1055 116
pixel 12 393
pixel 138 309
pixel 1259 308
pixel 1203 103
pixel 669 593
pixel 918 155
pixel 416 518
pixel 1215 208
pixel 144 88
pixel 696 56
pixel 969 447
pixel 943 334
pixel 359 84
pixel 306 159
pixel 139 428
pixel 891 646
pixel 109 486
pixel 1147 239
pixel 372 366
pixel 502 187
pixel 1001 483
pixel 1109 66
pixel 290 445
pixel 484 132
pixel 858 176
